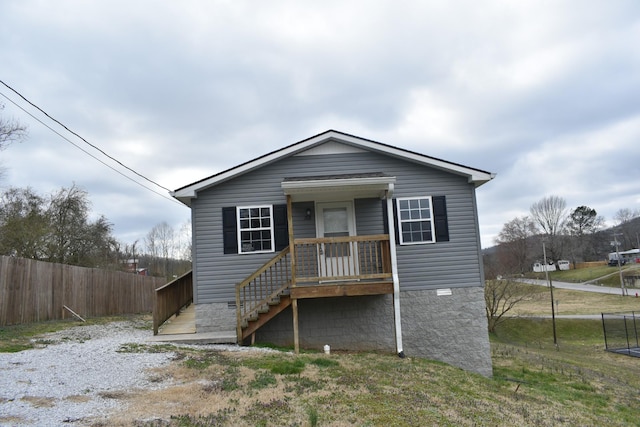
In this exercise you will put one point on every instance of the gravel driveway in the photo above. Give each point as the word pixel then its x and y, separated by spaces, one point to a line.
pixel 69 378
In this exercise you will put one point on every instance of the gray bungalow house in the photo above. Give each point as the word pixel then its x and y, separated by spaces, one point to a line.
pixel 342 241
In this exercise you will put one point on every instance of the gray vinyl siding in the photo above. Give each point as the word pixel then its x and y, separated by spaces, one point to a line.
pixel 444 264
pixel 369 216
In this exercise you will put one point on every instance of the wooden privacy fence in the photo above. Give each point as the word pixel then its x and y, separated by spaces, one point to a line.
pixel 34 291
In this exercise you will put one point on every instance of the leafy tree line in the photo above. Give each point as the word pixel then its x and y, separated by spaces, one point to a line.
pixel 577 235
pixel 58 228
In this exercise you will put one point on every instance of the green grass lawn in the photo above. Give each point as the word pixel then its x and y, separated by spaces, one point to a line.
pixel 535 382
pixel 576 373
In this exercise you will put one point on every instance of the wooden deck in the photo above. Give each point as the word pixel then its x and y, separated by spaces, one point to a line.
pixel 182 329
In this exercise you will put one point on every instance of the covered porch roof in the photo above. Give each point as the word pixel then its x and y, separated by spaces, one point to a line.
pixel 333 187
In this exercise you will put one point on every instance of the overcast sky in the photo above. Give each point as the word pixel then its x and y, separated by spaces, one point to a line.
pixel 546 94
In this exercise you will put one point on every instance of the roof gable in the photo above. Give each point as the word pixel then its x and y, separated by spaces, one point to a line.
pixel 329 142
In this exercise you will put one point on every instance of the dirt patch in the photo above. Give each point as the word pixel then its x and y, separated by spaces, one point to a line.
pixel 77 398
pixel 213 391
pixel 40 402
pixel 10 420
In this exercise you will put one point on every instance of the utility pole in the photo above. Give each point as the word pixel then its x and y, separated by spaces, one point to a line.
pixel 615 241
pixel 553 311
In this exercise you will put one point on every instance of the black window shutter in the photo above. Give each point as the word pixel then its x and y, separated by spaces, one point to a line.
pixel 229 230
pixel 280 227
pixel 440 218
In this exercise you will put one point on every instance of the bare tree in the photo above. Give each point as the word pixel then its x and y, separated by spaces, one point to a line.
pixel 625 224
pixel 10 131
pixel 184 241
pixel 501 296
pixel 550 215
pixel 514 244
pixel 160 245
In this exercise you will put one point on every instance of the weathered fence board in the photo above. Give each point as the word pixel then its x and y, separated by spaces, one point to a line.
pixel 34 291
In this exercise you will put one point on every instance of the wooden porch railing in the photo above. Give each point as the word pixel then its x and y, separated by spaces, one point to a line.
pixel 366 259
pixel 343 258
pixel 262 288
pixel 170 298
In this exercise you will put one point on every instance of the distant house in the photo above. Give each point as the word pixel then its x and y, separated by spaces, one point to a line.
pixel 130 265
pixel 343 241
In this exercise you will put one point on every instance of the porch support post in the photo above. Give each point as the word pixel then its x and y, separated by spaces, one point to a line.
pixel 394 271
pixel 292 246
pixel 292 252
pixel 296 339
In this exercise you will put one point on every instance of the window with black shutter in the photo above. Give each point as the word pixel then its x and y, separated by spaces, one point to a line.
pixel 254 229
pixel 419 220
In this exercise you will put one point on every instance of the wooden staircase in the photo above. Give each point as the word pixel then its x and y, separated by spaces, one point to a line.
pixel 264 314
pixel 263 295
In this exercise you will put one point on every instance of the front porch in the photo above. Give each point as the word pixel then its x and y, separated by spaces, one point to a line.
pixel 313 268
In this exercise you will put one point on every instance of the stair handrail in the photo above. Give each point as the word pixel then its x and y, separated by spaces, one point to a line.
pixel 266 283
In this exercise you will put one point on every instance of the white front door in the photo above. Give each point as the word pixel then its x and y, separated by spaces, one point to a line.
pixel 337 259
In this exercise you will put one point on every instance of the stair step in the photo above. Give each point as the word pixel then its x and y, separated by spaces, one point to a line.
pixel 263 309
pixel 274 301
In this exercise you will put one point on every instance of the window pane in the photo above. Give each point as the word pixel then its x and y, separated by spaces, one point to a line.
pixel 255 229
pixel 335 220
pixel 415 220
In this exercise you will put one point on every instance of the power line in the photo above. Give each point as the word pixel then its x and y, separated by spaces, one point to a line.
pixel 86 152
pixel 75 134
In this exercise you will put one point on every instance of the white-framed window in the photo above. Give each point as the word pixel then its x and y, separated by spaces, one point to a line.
pixel 255 229
pixel 415 220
